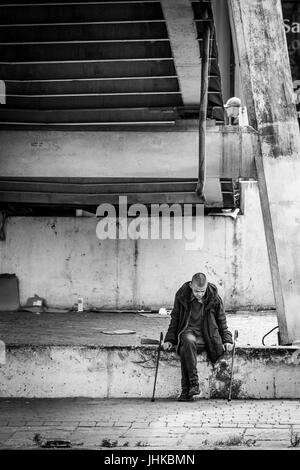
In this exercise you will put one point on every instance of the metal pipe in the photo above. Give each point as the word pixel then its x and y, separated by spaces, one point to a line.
pixel 232 358
pixel 203 111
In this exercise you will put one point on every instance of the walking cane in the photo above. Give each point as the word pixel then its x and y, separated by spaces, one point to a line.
pixel 236 333
pixel 157 362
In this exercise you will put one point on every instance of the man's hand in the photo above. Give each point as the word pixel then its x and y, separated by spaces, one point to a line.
pixel 228 347
pixel 167 346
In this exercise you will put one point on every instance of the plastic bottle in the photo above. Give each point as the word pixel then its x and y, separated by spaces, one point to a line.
pixel 80 304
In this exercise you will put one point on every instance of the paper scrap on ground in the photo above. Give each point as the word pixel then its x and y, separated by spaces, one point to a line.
pixel 164 311
pixel 116 332
pixel 155 315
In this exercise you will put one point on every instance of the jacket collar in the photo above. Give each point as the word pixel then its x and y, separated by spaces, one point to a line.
pixel 185 294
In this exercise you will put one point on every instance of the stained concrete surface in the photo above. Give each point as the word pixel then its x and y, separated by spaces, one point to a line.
pixel 142 424
pixel 61 259
pixel 58 355
pixel 76 329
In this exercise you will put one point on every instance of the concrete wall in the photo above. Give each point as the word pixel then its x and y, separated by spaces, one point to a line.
pixel 48 372
pixel 61 258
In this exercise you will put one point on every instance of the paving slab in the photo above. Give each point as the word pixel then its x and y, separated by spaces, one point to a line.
pixel 140 423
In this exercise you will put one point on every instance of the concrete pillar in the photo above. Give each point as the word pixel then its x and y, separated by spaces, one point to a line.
pixel 268 90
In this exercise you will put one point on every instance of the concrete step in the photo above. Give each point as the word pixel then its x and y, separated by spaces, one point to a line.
pixel 81 31
pixel 63 116
pixel 85 51
pixel 66 355
pixel 84 11
pixel 47 371
pixel 87 69
pixel 91 86
pixel 127 100
pixel 66 102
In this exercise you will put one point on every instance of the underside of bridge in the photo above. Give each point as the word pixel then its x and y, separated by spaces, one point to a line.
pixel 112 66
pixel 105 63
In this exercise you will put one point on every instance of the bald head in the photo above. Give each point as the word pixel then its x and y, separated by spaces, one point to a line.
pixel 199 285
pixel 199 280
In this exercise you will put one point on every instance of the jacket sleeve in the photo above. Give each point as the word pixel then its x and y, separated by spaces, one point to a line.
pixel 222 323
pixel 172 332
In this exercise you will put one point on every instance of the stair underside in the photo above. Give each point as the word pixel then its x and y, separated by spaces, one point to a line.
pixel 88 63
pixel 90 192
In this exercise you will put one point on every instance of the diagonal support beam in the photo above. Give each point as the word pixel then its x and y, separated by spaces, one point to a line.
pixel 182 32
pixel 268 90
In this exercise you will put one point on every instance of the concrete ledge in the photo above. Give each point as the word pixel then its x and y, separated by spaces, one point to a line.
pixel 120 372
pixel 84 329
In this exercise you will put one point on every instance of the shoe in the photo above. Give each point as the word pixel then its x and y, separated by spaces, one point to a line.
pixel 194 391
pixel 184 396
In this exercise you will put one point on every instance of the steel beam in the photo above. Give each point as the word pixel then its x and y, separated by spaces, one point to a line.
pixel 185 49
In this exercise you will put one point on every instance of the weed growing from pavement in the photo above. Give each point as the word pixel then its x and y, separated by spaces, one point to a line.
pixel 294 437
pixel 52 443
pixel 37 439
pixel 235 441
pixel 109 443
pixel 141 444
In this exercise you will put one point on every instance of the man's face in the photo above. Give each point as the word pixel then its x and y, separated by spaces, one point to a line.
pixel 198 291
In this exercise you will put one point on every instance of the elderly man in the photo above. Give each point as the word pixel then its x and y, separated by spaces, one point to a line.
pixel 198 323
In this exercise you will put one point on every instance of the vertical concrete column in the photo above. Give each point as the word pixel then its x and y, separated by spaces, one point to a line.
pixel 268 91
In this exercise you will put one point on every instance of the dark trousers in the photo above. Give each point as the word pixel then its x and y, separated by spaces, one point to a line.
pixel 189 347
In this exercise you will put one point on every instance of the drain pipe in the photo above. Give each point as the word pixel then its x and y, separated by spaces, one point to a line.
pixel 203 111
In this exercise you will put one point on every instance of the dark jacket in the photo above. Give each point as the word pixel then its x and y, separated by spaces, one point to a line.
pixel 214 326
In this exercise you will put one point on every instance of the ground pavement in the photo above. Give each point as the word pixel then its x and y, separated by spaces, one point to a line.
pixel 139 423
pixel 142 424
